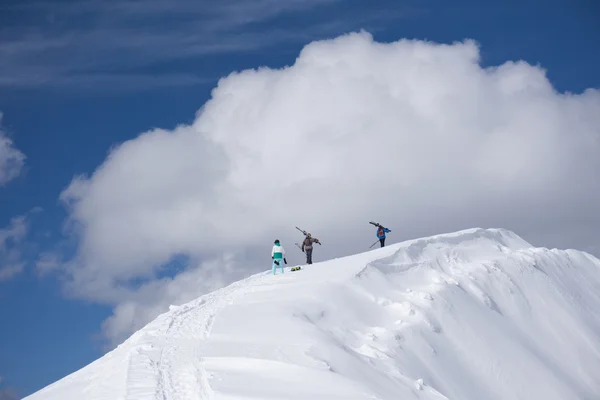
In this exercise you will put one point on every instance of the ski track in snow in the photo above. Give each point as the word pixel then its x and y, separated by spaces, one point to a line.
pixel 469 315
pixel 178 369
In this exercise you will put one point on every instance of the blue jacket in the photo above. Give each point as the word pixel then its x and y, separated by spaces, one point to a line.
pixel 385 230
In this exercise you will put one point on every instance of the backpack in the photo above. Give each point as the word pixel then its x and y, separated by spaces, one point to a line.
pixel 380 231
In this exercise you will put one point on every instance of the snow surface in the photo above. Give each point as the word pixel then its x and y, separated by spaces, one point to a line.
pixel 476 314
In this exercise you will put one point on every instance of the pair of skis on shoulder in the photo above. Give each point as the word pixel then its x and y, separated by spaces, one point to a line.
pixel 305 234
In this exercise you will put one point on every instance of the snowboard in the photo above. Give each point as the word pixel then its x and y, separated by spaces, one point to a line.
pixel 296 269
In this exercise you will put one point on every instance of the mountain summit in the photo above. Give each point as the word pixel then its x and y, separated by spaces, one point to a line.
pixel 477 314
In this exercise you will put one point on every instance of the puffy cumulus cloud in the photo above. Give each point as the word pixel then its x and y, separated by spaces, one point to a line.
pixel 416 135
pixel 11 159
pixel 154 194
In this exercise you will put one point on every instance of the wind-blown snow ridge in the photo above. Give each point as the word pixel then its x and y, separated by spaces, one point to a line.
pixel 476 314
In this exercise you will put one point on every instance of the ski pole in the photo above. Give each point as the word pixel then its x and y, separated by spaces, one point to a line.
pixel 374 244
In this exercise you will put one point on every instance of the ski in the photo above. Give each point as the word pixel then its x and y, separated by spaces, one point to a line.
pixel 306 234
pixel 303 231
pixel 377 224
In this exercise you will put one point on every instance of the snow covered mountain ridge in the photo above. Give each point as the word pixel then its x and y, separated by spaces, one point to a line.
pixel 476 314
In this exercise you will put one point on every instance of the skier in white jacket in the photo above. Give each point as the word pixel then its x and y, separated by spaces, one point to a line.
pixel 278 256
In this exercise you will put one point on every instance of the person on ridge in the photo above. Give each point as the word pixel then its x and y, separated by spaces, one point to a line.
pixel 381 231
pixel 307 247
pixel 278 256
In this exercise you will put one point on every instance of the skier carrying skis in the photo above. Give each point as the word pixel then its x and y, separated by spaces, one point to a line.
pixel 307 247
pixel 278 256
pixel 381 231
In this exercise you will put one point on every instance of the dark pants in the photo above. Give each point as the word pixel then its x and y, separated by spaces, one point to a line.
pixel 308 255
pixel 382 241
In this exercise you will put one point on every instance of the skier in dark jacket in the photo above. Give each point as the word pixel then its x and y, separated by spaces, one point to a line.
pixel 307 247
pixel 381 231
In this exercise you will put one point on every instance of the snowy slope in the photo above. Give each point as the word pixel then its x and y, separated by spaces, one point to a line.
pixel 477 314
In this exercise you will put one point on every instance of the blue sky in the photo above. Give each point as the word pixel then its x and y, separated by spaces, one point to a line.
pixel 77 78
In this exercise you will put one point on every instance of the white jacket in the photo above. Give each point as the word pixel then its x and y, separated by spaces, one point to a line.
pixel 278 252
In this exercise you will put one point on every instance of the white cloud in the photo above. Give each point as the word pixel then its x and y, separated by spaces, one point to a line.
pixel 47 262
pixel 11 238
pixel 15 232
pixel 413 134
pixel 11 159
pixel 9 271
